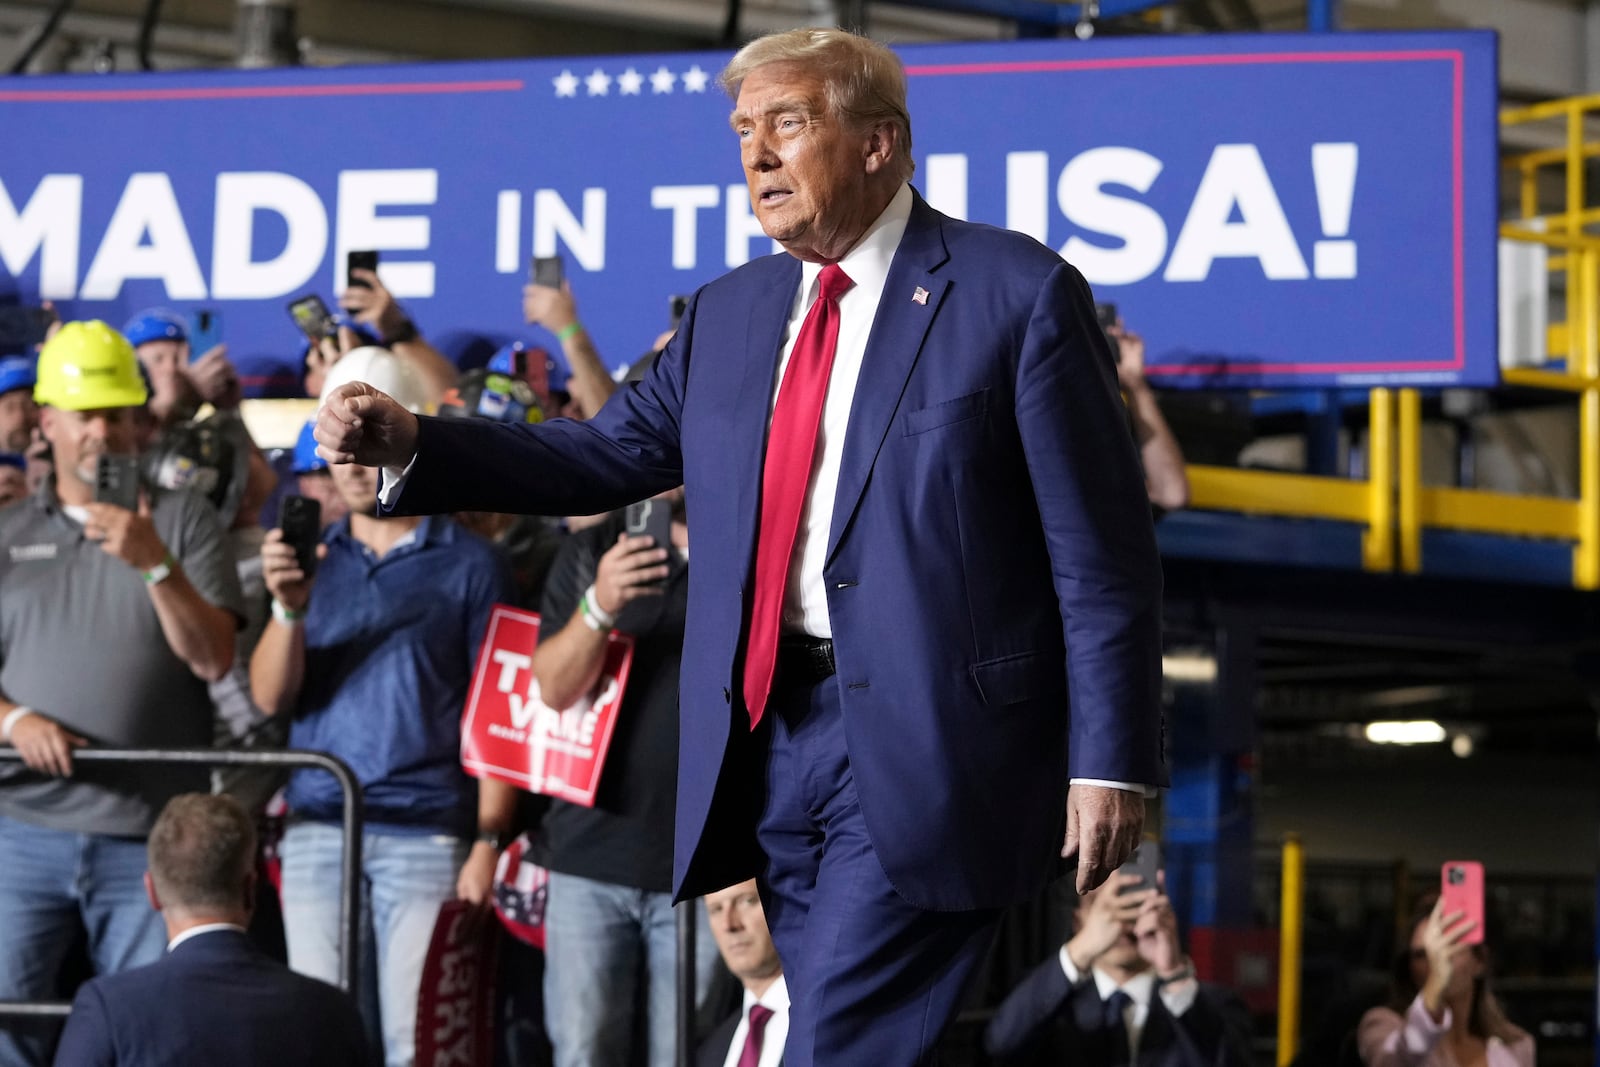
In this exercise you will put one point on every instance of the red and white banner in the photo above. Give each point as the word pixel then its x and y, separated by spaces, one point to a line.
pixel 455 1004
pixel 509 733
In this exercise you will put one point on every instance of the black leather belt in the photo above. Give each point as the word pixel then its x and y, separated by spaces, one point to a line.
pixel 803 661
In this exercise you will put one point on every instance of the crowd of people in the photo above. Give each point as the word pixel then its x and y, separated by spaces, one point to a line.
pixel 183 614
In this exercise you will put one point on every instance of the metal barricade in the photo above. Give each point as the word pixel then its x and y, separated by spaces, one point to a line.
pixel 350 867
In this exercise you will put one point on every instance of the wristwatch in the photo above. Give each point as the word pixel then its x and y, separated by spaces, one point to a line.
pixel 1182 976
pixel 406 331
pixel 498 838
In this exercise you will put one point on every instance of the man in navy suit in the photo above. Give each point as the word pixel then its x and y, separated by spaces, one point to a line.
pixel 919 524
pixel 214 998
pixel 1120 993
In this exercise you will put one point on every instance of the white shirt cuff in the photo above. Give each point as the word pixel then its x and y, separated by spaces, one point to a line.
pixel 1131 787
pixel 1070 969
pixel 392 482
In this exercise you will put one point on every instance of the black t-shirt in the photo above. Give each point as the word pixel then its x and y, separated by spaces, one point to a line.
pixel 626 838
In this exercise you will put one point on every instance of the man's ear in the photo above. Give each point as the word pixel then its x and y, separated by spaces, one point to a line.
pixel 150 891
pixel 882 148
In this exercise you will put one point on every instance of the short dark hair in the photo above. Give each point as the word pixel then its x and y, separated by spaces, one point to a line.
pixel 201 850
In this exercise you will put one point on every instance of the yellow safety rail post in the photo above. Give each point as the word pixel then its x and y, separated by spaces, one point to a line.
pixel 1289 944
pixel 1410 481
pixel 1586 355
pixel 1377 543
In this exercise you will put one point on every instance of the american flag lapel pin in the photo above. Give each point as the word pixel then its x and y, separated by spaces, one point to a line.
pixel 920 296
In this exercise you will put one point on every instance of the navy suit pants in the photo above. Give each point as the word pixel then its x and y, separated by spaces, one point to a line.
pixel 872 979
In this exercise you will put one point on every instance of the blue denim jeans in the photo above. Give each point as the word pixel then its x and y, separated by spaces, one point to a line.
pixel 599 940
pixel 51 881
pixel 404 880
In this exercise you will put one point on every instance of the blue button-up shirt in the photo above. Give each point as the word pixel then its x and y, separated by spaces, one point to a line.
pixel 390 647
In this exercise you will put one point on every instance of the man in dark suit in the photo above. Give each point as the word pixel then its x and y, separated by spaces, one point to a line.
pixel 214 998
pixel 1121 992
pixel 754 1035
pixel 922 523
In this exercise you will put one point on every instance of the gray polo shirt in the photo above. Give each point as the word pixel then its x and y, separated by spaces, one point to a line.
pixel 80 643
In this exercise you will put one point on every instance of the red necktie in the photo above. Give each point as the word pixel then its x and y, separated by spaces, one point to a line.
pixel 791 445
pixel 751 1056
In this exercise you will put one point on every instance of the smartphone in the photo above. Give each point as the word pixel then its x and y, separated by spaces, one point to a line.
pixel 205 332
pixel 1461 889
pixel 676 304
pixel 652 519
pixel 313 318
pixel 354 261
pixel 116 481
pixel 21 328
pixel 300 519
pixel 1146 863
pixel 547 270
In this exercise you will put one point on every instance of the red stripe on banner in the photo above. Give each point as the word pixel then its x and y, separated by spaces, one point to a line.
pixel 254 92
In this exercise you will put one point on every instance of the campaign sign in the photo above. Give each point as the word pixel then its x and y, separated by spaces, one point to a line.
pixel 455 1001
pixel 1266 210
pixel 508 733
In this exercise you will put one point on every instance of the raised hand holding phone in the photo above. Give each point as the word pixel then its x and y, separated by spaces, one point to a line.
pixel 1461 890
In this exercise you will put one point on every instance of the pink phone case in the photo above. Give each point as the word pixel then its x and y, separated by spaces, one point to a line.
pixel 1461 889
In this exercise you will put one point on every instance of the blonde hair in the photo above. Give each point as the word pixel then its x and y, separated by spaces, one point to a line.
pixel 866 82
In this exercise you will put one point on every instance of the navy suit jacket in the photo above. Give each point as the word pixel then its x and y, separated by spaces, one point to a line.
pixel 1048 1021
pixel 215 999
pixel 991 554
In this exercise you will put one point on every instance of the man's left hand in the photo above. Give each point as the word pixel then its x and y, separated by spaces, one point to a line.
pixel 128 535
pixel 1103 828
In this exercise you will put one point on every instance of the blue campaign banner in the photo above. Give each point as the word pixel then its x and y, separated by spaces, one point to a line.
pixel 1267 210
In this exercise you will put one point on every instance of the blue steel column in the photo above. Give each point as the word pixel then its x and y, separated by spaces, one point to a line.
pixel 1208 817
pixel 1321 15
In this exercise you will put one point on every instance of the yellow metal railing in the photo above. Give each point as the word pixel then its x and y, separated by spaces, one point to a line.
pixel 1291 909
pixel 1392 505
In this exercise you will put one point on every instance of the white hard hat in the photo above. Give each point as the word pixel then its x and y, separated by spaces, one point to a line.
pixel 384 371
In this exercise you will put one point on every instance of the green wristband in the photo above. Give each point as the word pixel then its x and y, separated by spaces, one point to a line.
pixel 569 331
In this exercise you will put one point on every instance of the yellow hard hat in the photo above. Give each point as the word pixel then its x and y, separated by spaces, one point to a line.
pixel 86 366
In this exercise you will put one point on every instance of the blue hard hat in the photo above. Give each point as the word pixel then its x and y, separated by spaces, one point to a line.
pixel 156 324
pixel 16 372
pixel 306 460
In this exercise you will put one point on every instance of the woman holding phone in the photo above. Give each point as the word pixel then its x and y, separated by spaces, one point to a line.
pixel 1442 1013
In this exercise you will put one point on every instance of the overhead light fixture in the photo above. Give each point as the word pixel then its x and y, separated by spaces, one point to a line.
pixel 1189 667
pixel 1406 732
pixel 1462 745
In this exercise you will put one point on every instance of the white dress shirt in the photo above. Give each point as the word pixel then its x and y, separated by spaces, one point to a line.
pixel 1177 996
pixel 776 998
pixel 203 928
pixel 805 601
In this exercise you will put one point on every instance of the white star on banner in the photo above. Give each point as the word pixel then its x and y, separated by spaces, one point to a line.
pixel 599 83
pixel 630 81
pixel 661 81
pixel 694 79
pixel 566 84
